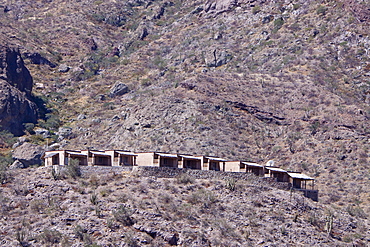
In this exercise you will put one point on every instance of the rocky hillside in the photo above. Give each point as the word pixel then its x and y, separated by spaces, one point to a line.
pixel 124 209
pixel 250 80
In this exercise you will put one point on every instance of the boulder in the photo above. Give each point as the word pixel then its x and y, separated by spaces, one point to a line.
pixel 118 89
pixel 17 165
pixel 217 58
pixel 28 154
pixel 63 68
pixel 42 132
pixel 81 117
pixel 64 133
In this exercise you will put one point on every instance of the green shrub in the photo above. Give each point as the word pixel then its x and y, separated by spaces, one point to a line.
pixel 94 198
pixel 321 10
pixel 50 237
pixel 278 23
pixel 256 9
pixel 123 215
pixel 5 161
pixel 230 184
pixel 29 128
pixel 205 197
pixel 185 179
pixel 22 237
pixel 7 138
pixel 356 211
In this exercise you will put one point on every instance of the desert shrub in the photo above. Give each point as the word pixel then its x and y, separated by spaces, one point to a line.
pixel 5 161
pixel 256 9
pixel 7 138
pixel 205 197
pixel 356 211
pixel 226 229
pixel 94 198
pixel 29 128
pixel 21 236
pixel 123 215
pixel 4 207
pixel 185 179
pixel 321 10
pixel 56 173
pixel 230 184
pixel 94 181
pixel 73 168
pixel 278 23
pixel 37 139
pixel 50 236
pixel 38 205
pixel 52 121
pixel 83 236
pixel 130 240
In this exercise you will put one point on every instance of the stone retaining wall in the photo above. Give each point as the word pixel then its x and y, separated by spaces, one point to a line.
pixel 86 171
pixel 168 172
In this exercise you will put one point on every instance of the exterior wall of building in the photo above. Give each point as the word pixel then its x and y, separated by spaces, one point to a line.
pixel 280 176
pixel 232 166
pixel 113 155
pixel 258 171
pixel 205 166
pixel 58 159
pixel 145 159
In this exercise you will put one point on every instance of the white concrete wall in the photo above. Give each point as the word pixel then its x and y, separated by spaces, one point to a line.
pixel 232 166
pixel 145 159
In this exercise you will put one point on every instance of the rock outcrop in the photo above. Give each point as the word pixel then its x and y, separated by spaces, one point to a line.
pixel 118 89
pixel 28 154
pixel 16 107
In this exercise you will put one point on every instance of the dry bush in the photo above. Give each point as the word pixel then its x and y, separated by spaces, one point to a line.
pixel 185 179
pixel 123 215
pixel 38 205
pixel 202 196
pixel 51 237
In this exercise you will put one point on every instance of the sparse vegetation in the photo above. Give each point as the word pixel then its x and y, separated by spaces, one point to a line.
pixel 301 68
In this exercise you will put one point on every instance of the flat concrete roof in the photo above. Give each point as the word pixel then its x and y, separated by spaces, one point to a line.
pixel 252 164
pixel 275 169
pixel 99 153
pixel 167 155
pixel 299 176
pixel 75 153
pixel 191 157
pixel 126 153
pixel 215 159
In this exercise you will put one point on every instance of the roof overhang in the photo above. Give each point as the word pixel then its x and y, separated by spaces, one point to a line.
pixel 50 155
pixel 275 169
pixel 216 159
pixel 189 157
pixel 126 153
pixel 252 164
pixel 174 156
pixel 99 153
pixel 75 153
pixel 299 176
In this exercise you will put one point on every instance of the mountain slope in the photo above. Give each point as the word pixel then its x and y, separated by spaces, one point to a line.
pixel 249 80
